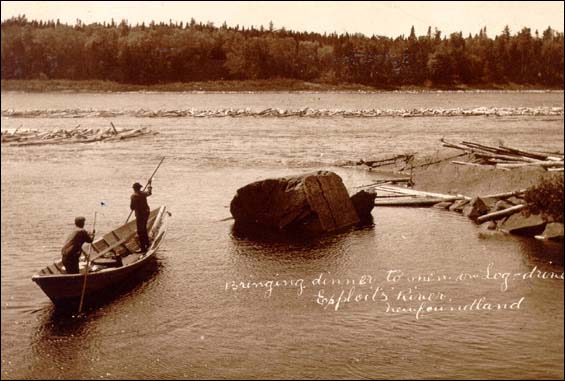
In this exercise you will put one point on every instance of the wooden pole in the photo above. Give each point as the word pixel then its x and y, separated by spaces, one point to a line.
pixel 115 131
pixel 86 268
pixel 148 181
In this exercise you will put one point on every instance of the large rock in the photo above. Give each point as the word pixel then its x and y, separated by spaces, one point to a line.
pixel 316 202
pixel 521 224
pixel 475 208
pixel 363 203
pixel 458 206
pixel 553 231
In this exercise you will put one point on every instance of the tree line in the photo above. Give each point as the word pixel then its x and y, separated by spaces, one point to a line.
pixel 192 51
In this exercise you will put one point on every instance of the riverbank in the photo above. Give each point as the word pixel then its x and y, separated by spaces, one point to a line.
pixel 525 200
pixel 274 85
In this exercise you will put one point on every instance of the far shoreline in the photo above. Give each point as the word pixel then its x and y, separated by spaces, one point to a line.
pixel 274 85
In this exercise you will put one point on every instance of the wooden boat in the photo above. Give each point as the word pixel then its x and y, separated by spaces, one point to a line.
pixel 116 261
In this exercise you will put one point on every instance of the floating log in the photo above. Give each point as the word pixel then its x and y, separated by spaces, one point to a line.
pixel 507 157
pixel 413 192
pixel 75 135
pixel 533 155
pixel 415 201
pixel 546 164
pixel 483 147
pixel 506 194
pixel 503 157
pixel 501 213
pixel 382 182
pixel 469 163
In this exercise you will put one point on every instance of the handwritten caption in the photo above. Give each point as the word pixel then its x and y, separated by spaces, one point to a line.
pixel 401 292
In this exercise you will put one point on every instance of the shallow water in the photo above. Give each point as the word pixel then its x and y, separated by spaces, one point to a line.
pixel 186 321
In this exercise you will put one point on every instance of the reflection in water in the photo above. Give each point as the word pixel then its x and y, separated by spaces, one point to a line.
pixel 62 341
pixel 181 322
pixel 547 255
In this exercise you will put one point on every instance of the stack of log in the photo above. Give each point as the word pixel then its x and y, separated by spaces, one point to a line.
pixel 69 136
pixel 390 195
pixel 502 211
pixel 306 112
pixel 505 157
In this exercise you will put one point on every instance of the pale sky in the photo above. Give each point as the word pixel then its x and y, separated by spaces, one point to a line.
pixel 391 18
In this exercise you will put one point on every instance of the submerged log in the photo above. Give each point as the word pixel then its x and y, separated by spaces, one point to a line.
pixel 316 202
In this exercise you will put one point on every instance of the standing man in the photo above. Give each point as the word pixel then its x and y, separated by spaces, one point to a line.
pixel 73 246
pixel 141 208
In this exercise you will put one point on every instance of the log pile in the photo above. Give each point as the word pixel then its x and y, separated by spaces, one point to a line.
pixel 506 158
pixel 502 211
pixel 389 195
pixel 34 137
pixel 270 112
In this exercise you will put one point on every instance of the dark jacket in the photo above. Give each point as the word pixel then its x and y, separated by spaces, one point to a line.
pixel 75 240
pixel 139 202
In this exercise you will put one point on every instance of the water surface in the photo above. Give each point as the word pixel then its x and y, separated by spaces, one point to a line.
pixel 183 323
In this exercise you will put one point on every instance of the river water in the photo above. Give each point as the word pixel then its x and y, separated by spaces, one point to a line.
pixel 192 316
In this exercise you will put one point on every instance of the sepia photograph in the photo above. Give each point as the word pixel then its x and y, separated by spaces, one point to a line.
pixel 282 190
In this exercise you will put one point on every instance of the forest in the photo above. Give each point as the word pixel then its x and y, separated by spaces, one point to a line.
pixel 158 53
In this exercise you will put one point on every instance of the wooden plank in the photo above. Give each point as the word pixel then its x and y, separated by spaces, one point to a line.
pixel 53 269
pixel 123 244
pixel 113 247
pixel 59 267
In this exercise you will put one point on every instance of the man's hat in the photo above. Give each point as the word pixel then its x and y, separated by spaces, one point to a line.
pixel 137 186
pixel 79 220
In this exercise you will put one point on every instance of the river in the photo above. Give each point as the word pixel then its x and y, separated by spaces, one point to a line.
pixel 191 318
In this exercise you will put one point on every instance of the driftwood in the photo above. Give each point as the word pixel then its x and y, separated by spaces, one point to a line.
pixel 546 164
pixel 467 163
pixel 382 182
pixel 412 192
pixel 504 157
pixel 505 195
pixel 414 201
pixel 501 213
pixel 71 136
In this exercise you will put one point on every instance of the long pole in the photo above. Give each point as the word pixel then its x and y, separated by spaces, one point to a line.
pixel 86 268
pixel 148 181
